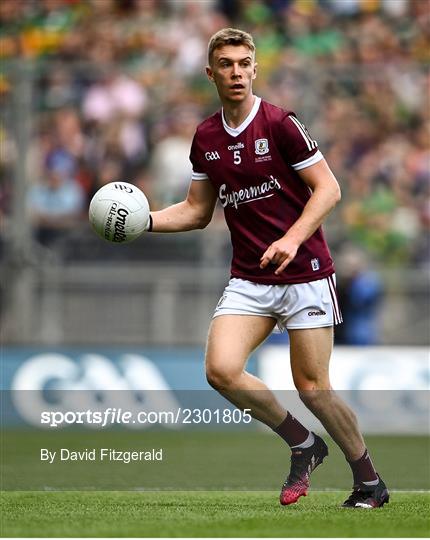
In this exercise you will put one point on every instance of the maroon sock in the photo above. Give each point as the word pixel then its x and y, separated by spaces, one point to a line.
pixel 292 431
pixel 363 469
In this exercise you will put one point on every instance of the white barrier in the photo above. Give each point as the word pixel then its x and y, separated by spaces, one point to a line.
pixel 387 387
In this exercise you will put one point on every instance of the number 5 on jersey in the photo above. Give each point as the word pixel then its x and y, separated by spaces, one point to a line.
pixel 236 157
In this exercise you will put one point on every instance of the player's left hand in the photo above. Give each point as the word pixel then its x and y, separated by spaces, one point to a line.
pixel 281 252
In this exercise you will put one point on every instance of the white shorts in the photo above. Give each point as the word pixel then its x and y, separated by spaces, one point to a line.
pixel 298 305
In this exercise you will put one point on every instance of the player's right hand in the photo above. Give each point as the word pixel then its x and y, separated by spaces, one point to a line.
pixel 280 253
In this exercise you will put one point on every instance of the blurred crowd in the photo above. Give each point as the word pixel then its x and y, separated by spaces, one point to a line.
pixel 118 87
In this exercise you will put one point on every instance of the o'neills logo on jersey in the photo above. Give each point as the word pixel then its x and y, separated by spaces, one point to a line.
pixel 237 146
pixel 249 194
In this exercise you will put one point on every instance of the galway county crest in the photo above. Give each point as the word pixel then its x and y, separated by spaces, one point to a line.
pixel 261 146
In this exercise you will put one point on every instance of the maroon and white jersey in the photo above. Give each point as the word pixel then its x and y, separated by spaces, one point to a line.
pixel 253 168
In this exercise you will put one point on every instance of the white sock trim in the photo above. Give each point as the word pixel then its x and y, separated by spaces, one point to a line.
pixel 371 482
pixel 307 443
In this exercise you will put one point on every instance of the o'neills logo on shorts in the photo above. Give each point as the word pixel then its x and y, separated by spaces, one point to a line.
pixel 320 312
pixel 249 194
pixel 118 218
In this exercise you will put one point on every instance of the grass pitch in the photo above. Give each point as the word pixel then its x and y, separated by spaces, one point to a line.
pixel 232 482
pixel 207 514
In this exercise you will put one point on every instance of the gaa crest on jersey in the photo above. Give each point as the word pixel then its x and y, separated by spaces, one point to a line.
pixel 261 147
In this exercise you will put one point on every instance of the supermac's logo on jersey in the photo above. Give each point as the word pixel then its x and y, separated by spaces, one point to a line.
pixel 249 194
pixel 261 147
pixel 210 156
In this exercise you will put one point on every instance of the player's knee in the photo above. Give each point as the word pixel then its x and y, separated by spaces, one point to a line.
pixel 312 389
pixel 220 378
pixel 313 396
pixel 313 386
pixel 306 382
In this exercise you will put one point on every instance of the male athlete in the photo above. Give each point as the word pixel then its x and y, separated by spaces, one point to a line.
pixel 276 189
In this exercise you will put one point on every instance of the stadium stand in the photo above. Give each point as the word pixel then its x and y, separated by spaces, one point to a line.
pixel 117 86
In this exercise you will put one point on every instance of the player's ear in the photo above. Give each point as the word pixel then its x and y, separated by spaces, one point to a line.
pixel 209 73
pixel 254 75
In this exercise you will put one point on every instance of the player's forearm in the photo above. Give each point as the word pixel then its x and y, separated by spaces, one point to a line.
pixel 178 217
pixel 319 206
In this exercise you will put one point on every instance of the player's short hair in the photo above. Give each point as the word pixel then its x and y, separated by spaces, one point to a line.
pixel 229 36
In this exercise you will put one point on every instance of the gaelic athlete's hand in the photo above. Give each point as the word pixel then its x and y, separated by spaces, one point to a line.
pixel 281 252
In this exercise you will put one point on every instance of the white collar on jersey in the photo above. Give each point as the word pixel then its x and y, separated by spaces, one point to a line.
pixel 234 132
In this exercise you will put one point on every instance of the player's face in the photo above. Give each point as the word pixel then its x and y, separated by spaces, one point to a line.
pixel 232 70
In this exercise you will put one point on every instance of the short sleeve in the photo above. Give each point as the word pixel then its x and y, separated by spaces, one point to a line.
pixel 298 147
pixel 198 168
